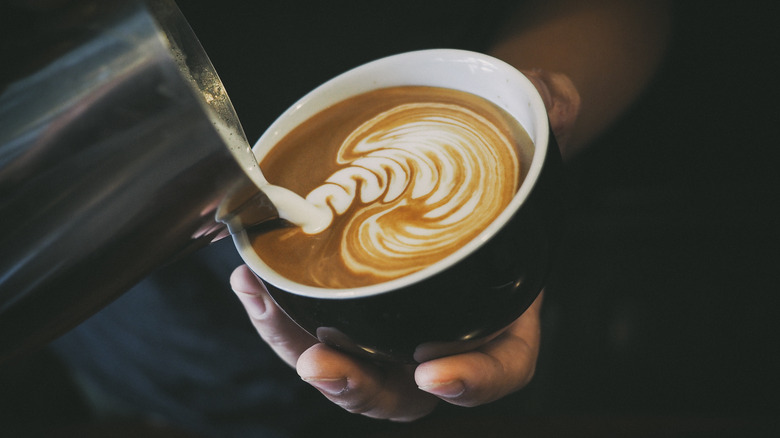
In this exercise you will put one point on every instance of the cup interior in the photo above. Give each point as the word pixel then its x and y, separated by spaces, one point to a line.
pixel 472 72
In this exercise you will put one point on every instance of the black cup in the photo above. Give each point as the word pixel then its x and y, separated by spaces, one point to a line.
pixel 469 297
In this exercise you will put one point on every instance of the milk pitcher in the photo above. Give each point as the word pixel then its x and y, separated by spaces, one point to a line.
pixel 118 146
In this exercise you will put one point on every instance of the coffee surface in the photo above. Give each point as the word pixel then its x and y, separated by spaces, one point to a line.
pixel 408 175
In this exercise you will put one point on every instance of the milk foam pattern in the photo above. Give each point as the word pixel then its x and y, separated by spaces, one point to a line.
pixel 419 180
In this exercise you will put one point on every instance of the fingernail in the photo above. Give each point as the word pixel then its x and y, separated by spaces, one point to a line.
pixel 451 389
pixel 254 305
pixel 328 386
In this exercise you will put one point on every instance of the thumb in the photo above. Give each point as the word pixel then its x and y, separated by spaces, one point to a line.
pixel 562 101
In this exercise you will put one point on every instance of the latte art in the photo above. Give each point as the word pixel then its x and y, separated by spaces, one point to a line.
pixel 421 173
pixel 406 176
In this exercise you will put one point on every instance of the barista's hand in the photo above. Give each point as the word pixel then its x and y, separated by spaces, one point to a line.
pixel 396 392
pixel 405 393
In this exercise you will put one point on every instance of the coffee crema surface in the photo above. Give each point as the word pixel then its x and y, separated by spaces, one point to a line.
pixel 407 175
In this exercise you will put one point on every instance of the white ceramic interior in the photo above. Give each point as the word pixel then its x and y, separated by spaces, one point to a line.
pixel 472 72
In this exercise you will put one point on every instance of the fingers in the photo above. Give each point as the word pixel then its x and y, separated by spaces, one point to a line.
pixel 356 385
pixel 500 367
pixel 562 101
pixel 365 388
pixel 394 392
pixel 277 330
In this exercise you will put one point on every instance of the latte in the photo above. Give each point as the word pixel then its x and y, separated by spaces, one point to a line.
pixel 405 176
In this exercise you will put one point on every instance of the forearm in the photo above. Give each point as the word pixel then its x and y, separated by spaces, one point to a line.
pixel 608 48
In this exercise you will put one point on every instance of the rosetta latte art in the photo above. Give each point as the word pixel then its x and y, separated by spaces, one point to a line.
pixel 403 176
pixel 418 181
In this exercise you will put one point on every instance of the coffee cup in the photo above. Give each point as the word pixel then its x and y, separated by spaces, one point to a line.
pixel 470 296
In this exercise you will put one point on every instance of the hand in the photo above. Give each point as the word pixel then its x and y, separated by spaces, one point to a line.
pixel 407 392
pixel 392 391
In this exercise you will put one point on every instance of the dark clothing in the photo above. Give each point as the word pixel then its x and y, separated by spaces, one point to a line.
pixel 179 349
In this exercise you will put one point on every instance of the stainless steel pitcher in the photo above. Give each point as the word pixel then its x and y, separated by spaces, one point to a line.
pixel 118 144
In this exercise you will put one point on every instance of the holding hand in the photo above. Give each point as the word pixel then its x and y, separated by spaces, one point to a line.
pixel 407 392
pixel 393 391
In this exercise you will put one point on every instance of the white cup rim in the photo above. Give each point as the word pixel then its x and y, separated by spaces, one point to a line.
pixel 449 68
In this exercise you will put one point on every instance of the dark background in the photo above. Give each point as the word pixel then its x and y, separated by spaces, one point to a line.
pixel 662 321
